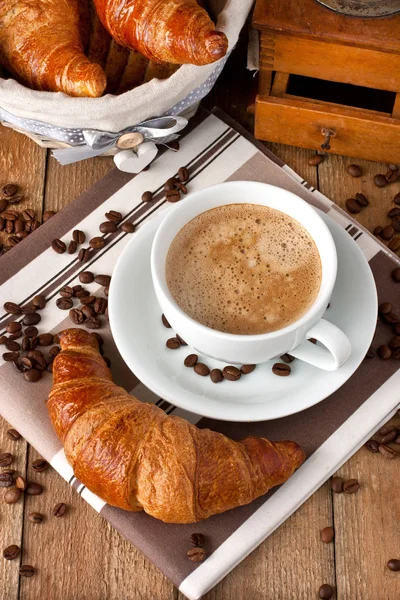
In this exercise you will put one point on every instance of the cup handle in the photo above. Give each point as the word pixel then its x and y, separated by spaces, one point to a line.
pixel 337 347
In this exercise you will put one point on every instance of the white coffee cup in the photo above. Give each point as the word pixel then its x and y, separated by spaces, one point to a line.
pixel 254 349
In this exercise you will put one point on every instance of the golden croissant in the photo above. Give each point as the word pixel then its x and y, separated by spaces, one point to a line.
pixel 136 457
pixel 40 44
pixel 174 31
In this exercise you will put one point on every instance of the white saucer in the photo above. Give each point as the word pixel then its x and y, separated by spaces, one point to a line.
pixel 135 319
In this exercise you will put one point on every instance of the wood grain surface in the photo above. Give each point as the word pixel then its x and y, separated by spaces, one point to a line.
pixel 80 557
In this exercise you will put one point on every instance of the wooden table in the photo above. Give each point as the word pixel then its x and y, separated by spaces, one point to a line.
pixel 80 557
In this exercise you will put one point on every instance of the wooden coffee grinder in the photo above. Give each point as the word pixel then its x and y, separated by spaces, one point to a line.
pixel 330 76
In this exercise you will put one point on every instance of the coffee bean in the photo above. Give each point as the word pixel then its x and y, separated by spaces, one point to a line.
pixel 11 552
pixel 147 197
pixel 316 160
pixel 72 246
pixel 29 309
pixel 351 486
pixel 39 301
pixel 388 428
pixel 26 571
pixel 3 339
pixel 39 465
pixel 354 170
pixel 78 236
pixel 9 227
pixel 380 181
pixel 100 306
pixel 13 435
pixel 13 327
pixel 3 204
pixel 12 495
pixel 93 323
pixel 128 227
pixel 6 479
pixel 20 483
pixel 86 300
pixel 58 246
pixel 183 174
pixel 54 351
pixel 113 215
pixel 47 215
pixel 196 554
pixel 353 206
pixel 83 254
pixel 86 277
pixel 385 307
pixel 165 322
pixel 394 212
pixel 172 195
pixel 9 189
pixel 393 564
pixel 35 517
pixel 337 484
pixel 45 339
pixel 362 199
pixel 19 226
pixel 10 356
pixel 325 592
pixel 60 509
pixel 103 280
pixel 327 534
pixel 201 369
pixel 387 451
pixel 391 176
pixel 10 215
pixel 170 184
pixel 26 363
pixel 191 360
pixel 33 375
pixel 6 459
pixel 78 291
pixel 173 343
pixel 13 241
pixel 372 446
pixel 33 225
pixel 17 364
pixel 246 369
pixel 34 489
pixel 182 341
pixel 15 336
pixel 12 346
pixel 396 199
pixel 2 223
pixel 12 308
pixel 97 242
pixel 231 373
pixel 396 274
pixel 197 539
pixel 281 369
pixel 88 311
pixel 388 232
pixel 15 199
pixel 21 235
pixel 216 375
pixel 384 352
pixel 394 244
pixel 396 328
pixel 64 303
pixel 391 318
pixel 389 437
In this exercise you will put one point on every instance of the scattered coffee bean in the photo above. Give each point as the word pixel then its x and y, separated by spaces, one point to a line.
pixel 88 311
pixel 351 486
pixel 354 170
pixel 394 212
pixel 26 363
pixel 10 215
pixel 393 564
pixel 391 176
pixel 15 336
pixel 196 554
pixel 39 301
pixel 183 174
pixel 29 309
pixel 47 215
pixel 6 459
pixel 231 373
pixel 9 189
pixel 33 375
pixel 72 246
pixel 38 359
pixel 12 346
pixel 388 428
pixel 362 199
pixel 165 322
pixel 173 343
pixel 97 243
pixel 391 318
pixel 6 479
pixel 60 509
pixel 197 539
pixel 394 244
pixel 12 308
pixel 12 495
pixel 83 254
pixel 103 280
pixel 128 227
pixel 3 204
pixel 13 241
pixel 20 483
pixel 64 303
pixel 353 206
pixel 385 307
pixel 113 215
pixel 39 465
pixel 79 292
pixel 396 275
pixel 45 339
pixel 377 230
pixel 34 489
pixel 35 517
pixel 172 195
pixel 78 236
pixel 10 356
pixel 54 351
pixel 216 375
pixel 26 571
pixel 337 484
pixel 396 328
pixel 87 300
pixel 372 446
pixel 86 277
pixel 191 360
pixel 387 451
pixel 395 342
pixel 182 341
pixel 9 227
pixel 13 435
pixel 388 232
pixel 327 535
pixel 19 226
pixel 147 197
pixel 325 592
pixel 316 160
pixel 246 369
pixel 281 369
pixel 3 339
pixel 13 327
pixel 108 227
pixel 170 184
pixel 30 332
pixel 384 352
pixel 2 223
pixel 58 246
pixel 201 369
pixel 396 199
pixel 93 323
pixel 100 306
pixel 21 235
pixel 380 181
pixel 11 552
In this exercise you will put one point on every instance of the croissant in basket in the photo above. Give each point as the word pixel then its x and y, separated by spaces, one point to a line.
pixel 173 31
pixel 40 44
pixel 136 457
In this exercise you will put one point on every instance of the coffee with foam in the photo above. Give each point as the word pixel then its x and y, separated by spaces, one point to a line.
pixel 244 269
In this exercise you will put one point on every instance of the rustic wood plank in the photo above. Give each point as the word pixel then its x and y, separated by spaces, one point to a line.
pixel 367 528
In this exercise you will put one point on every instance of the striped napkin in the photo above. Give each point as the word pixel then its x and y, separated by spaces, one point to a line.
pixel 214 149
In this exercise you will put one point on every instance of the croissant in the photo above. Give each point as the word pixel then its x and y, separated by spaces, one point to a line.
pixel 40 44
pixel 174 31
pixel 136 457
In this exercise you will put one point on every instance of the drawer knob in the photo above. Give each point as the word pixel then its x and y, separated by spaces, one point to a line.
pixel 327 132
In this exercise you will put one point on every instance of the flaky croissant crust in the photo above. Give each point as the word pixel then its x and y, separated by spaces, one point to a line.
pixel 136 457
